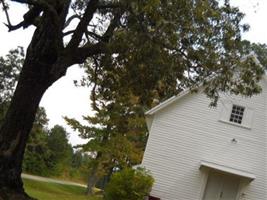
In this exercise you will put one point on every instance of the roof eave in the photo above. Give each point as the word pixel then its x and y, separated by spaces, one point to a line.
pixel 167 102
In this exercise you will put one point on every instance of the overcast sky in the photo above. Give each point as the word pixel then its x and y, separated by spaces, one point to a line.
pixel 64 99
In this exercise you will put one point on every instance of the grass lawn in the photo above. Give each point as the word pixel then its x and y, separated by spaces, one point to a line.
pixel 54 191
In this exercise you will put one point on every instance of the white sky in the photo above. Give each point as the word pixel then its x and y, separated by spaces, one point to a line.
pixel 64 99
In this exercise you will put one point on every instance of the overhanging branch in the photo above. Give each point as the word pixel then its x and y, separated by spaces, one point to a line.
pixel 82 26
pixel 82 53
pixel 8 24
pixel 113 25
pixel 69 20
pixel 5 7
pixel 29 18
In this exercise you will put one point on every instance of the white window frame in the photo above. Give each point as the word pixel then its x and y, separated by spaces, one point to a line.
pixel 226 110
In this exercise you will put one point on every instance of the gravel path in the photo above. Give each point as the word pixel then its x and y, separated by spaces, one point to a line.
pixel 50 180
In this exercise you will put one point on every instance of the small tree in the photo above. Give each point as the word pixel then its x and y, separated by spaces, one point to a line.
pixel 129 184
pixel 61 150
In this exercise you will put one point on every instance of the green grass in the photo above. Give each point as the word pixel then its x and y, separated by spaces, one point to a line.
pixel 54 191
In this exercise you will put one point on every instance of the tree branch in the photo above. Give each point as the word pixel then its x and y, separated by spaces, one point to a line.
pixel 94 35
pixel 93 94
pixel 68 33
pixel 82 26
pixel 32 14
pixel 69 57
pixel 109 32
pixel 5 7
pixel 9 25
pixel 64 13
pixel 113 25
pixel 69 20
pixel 82 53
pixel 41 4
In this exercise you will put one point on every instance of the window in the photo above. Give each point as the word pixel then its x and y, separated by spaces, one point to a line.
pixel 237 114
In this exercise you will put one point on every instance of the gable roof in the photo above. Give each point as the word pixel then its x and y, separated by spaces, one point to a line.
pixel 187 91
pixel 175 98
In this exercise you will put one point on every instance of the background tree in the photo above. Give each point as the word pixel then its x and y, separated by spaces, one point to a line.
pixel 79 165
pixel 260 50
pixel 48 152
pixel 10 67
pixel 190 40
pixel 61 150
pixel 37 158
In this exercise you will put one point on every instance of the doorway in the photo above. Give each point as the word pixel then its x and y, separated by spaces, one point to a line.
pixel 221 186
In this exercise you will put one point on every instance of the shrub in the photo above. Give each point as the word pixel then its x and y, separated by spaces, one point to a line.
pixel 129 184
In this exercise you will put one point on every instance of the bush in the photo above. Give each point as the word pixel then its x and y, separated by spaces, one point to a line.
pixel 129 184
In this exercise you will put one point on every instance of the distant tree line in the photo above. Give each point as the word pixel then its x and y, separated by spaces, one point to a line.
pixel 49 153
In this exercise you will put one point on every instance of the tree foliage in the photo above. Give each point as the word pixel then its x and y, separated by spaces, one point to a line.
pixel 61 150
pixel 10 66
pixel 117 131
pixel 260 50
pixel 37 158
pixel 48 152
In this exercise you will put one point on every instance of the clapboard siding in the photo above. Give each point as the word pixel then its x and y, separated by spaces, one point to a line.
pixel 188 131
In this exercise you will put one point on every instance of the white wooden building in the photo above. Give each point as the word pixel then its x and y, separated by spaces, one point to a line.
pixel 196 152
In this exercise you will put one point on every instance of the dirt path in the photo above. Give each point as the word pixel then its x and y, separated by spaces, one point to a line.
pixel 50 180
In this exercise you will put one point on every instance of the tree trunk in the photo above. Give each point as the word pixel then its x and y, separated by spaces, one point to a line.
pixel 16 128
pixel 92 180
pixel 35 78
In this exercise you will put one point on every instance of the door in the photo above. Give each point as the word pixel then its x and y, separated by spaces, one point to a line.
pixel 221 187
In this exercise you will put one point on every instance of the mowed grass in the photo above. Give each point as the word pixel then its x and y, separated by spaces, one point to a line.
pixel 53 191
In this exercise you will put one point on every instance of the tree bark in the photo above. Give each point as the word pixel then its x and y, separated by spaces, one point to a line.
pixel 34 81
pixel 92 180
pixel 46 61
pixel 35 78
pixel 16 127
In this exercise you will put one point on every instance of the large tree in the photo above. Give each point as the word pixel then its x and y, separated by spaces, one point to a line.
pixel 188 40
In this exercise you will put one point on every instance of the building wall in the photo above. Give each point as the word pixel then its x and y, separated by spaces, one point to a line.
pixel 188 131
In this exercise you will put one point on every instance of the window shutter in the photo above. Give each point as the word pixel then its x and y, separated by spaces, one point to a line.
pixel 225 111
pixel 248 116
